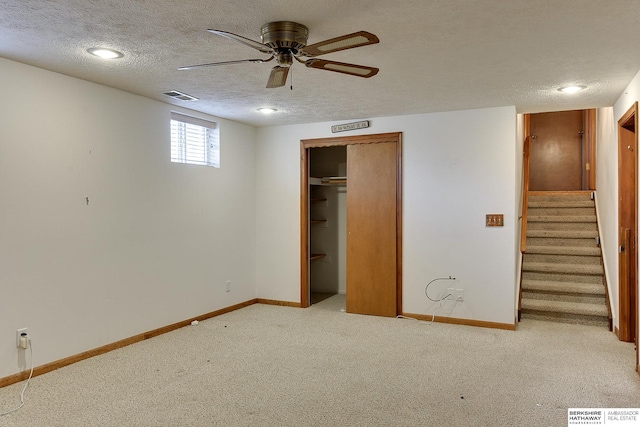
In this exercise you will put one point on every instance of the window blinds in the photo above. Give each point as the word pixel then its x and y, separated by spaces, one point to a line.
pixel 194 141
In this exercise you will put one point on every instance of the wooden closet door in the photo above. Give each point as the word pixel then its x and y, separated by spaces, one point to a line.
pixel 372 229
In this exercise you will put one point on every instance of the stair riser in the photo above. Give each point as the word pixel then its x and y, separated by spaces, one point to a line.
pixel 551 277
pixel 560 198
pixel 584 269
pixel 568 219
pixel 576 197
pixel 560 204
pixel 545 241
pixel 563 250
pixel 533 211
pixel 566 318
pixel 587 289
pixel 587 299
pixel 577 226
pixel 555 234
pixel 562 259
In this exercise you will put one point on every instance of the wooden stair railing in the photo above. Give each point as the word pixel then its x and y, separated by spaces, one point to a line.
pixel 525 204
pixel 525 194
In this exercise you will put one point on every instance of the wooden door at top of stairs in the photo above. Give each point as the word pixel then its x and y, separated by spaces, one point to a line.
pixel 562 150
pixel 628 226
pixel 371 229
pixel 556 151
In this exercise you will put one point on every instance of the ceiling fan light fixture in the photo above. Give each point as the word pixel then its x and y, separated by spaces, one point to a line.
pixel 105 53
pixel 267 110
pixel 278 76
pixel 572 89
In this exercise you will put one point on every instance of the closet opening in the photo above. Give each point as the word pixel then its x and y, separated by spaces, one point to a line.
pixel 327 222
pixel 351 222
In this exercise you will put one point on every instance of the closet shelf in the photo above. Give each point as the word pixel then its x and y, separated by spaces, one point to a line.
pixel 328 180
pixel 317 256
pixel 317 221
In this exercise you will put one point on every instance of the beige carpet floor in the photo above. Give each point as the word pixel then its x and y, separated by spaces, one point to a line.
pixel 279 366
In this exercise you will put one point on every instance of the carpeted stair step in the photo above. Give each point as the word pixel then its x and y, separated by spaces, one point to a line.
pixel 561 259
pixel 561 212
pixel 565 307
pixel 573 226
pixel 564 204
pixel 563 287
pixel 569 234
pixel 571 298
pixel 564 250
pixel 564 291
pixel 562 218
pixel 544 276
pixel 587 269
pixel 554 196
pixel 548 241
pixel 562 311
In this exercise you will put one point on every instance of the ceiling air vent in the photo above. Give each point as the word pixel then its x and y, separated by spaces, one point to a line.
pixel 181 96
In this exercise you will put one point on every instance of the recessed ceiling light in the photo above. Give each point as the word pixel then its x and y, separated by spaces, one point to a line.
pixel 572 89
pixel 105 53
pixel 267 110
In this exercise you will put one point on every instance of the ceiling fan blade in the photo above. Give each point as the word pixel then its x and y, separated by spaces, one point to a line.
pixel 245 41
pixel 341 67
pixel 255 61
pixel 349 41
pixel 278 76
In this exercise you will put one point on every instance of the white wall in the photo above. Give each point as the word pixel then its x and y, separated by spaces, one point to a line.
pixel 607 199
pixel 457 167
pixel 607 184
pixel 157 240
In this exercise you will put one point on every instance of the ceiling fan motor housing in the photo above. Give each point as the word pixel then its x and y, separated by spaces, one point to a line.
pixel 284 36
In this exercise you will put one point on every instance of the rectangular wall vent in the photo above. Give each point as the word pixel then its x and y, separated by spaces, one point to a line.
pixel 181 96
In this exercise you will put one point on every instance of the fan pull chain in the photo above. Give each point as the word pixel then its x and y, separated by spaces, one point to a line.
pixel 291 70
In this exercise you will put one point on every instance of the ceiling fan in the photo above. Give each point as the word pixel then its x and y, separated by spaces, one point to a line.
pixel 287 41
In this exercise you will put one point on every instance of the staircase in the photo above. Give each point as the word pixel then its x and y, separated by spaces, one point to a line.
pixel 562 273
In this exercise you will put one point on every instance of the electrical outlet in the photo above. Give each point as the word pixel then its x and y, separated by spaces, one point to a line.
pixel 19 334
pixel 228 283
pixel 450 294
pixel 459 294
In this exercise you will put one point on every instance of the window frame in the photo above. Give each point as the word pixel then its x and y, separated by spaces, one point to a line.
pixel 188 147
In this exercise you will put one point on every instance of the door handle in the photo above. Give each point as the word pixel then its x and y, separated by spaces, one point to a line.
pixel 621 249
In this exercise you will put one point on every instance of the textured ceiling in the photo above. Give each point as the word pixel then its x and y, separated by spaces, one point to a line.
pixel 437 55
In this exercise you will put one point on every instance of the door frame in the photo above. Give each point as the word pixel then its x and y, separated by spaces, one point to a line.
pixel 589 148
pixel 305 145
pixel 628 289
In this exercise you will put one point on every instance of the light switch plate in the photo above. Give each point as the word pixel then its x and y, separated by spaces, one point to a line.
pixel 495 220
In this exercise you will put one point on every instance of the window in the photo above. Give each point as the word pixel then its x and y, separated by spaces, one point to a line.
pixel 194 141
